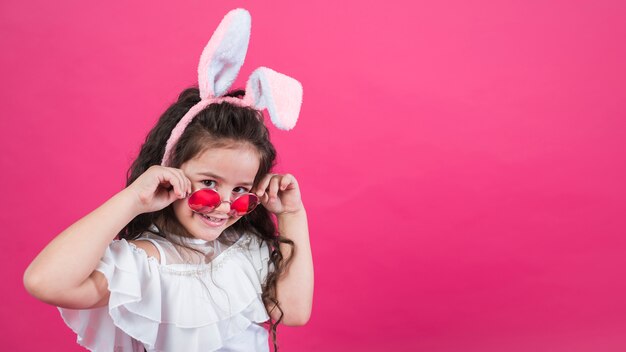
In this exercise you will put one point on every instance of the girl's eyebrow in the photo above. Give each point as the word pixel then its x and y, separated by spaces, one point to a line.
pixel 209 174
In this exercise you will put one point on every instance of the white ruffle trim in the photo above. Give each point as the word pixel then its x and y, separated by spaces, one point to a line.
pixel 173 307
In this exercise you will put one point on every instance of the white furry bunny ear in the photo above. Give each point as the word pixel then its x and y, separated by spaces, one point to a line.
pixel 281 95
pixel 224 54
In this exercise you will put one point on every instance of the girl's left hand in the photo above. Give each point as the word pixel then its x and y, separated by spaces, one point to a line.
pixel 279 194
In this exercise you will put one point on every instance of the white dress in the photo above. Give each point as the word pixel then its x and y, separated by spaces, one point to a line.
pixel 186 302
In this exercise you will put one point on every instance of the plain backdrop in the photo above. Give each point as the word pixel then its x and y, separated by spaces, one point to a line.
pixel 462 163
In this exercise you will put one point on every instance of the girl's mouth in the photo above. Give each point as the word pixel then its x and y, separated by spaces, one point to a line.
pixel 211 221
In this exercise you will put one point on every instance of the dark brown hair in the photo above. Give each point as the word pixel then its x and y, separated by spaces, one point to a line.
pixel 218 125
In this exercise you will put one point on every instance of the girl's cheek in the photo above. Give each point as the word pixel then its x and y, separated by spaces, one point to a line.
pixel 180 205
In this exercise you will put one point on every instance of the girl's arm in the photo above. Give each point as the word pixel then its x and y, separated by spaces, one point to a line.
pixel 295 285
pixel 280 194
pixel 63 274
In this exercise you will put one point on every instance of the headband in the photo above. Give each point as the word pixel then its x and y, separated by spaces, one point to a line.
pixel 219 65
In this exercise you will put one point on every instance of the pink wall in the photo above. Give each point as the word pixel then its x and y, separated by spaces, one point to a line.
pixel 462 163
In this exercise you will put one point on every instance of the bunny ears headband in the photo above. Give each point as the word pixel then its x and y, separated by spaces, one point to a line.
pixel 219 65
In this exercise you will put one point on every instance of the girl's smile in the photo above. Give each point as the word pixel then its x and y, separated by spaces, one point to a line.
pixel 212 221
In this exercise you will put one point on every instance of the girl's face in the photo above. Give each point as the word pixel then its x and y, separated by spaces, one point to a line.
pixel 230 171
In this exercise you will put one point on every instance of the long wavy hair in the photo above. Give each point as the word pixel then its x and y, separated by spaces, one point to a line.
pixel 218 125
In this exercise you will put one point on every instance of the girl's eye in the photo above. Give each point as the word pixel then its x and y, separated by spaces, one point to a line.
pixel 209 183
pixel 240 190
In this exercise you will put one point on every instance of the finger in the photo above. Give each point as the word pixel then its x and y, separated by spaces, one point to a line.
pixel 262 186
pixel 172 196
pixel 265 198
pixel 274 184
pixel 168 182
pixel 165 178
pixel 186 182
pixel 182 189
pixel 285 181
pixel 178 183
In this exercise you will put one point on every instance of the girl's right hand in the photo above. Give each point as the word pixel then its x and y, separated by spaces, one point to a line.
pixel 158 187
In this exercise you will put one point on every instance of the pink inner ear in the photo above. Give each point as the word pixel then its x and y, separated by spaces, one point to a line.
pixel 281 95
pixel 208 54
pixel 286 95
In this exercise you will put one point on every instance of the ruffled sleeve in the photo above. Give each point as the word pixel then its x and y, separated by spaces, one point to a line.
pixel 259 256
pixel 176 307
pixel 131 276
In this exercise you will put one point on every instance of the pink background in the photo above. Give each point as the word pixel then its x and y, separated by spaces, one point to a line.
pixel 462 162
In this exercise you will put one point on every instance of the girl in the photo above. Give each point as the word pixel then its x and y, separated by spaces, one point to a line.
pixel 199 264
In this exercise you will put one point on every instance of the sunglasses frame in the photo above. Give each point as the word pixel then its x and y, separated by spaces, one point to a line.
pixel 232 212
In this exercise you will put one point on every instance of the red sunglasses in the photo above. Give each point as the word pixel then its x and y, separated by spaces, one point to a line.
pixel 206 200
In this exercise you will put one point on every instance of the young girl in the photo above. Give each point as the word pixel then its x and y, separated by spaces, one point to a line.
pixel 199 264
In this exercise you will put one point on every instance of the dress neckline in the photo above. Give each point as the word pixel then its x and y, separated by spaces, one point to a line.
pixel 216 260
pixel 192 240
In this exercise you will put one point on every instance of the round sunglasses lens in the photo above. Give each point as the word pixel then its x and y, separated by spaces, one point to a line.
pixel 244 204
pixel 204 200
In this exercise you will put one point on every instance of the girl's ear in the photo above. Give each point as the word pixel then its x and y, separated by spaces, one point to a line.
pixel 224 54
pixel 281 95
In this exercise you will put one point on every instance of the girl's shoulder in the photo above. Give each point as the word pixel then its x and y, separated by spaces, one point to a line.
pixel 151 237
pixel 151 244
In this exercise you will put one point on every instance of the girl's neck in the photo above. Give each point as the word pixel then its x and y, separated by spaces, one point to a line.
pixel 184 239
pixel 192 240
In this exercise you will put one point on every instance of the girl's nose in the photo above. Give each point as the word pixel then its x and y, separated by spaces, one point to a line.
pixel 224 207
